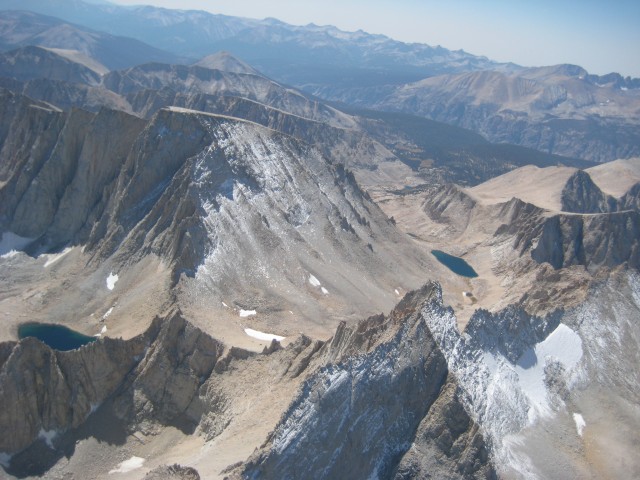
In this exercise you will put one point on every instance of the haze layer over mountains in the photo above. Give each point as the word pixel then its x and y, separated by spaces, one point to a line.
pixel 256 262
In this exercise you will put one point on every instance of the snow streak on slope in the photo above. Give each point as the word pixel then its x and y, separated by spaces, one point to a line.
pixel 272 210
pixel 594 346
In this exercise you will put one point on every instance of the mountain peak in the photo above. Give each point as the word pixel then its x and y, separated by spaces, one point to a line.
pixel 227 63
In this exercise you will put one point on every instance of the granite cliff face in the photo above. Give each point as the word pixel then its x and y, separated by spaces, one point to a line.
pixel 57 167
pixel 570 240
pixel 582 195
pixel 149 381
pixel 45 392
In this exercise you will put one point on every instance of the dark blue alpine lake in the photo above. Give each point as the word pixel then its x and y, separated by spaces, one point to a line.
pixel 455 264
pixel 56 336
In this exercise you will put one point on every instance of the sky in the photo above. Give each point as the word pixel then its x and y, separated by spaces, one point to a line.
pixel 601 36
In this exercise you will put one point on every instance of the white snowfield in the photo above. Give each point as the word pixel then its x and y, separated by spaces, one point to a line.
pixel 247 313
pixel 580 423
pixel 267 337
pixel 111 280
pixel 503 397
pixel 128 465
pixel 102 332
pixel 515 403
pixel 562 345
pixel 316 283
pixel 53 258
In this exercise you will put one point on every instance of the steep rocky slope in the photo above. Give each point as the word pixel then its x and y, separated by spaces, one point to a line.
pixel 299 221
pixel 535 385
pixel 538 392
pixel 175 374
pixel 198 79
pixel 193 190
pixel 423 431
pixel 386 151
pixel 526 235
pixel 56 167
pixel 224 236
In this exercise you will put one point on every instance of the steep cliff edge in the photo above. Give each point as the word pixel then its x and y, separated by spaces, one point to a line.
pixel 377 397
pixel 534 389
pixel 45 392
pixel 379 387
pixel 56 168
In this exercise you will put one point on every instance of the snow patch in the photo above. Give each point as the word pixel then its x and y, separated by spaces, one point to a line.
pixel 247 313
pixel 102 332
pixel 111 280
pixel 11 244
pixel 263 336
pixel 314 281
pixel 397 292
pixel 225 305
pixel 505 397
pixel 324 291
pixel 48 436
pixel 128 465
pixel 53 258
pixel 562 345
pixel 580 423
pixel 108 312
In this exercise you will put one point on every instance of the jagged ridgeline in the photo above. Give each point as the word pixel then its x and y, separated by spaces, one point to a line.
pixel 376 399
pixel 226 202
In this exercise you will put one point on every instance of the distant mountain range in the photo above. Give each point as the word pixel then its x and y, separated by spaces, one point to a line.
pixel 20 28
pixel 298 55
pixel 558 110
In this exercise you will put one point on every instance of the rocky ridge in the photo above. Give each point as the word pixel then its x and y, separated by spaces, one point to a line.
pixel 376 359
pixel 174 375
pixel 385 152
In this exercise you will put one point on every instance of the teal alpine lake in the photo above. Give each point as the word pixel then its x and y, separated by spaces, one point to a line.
pixel 455 264
pixel 56 336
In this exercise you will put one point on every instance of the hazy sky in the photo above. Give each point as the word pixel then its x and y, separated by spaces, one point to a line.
pixel 602 36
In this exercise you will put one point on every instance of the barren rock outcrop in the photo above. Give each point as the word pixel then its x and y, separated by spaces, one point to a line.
pixel 56 167
pixel 172 472
pixel 46 392
pixel 595 241
pixel 581 195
